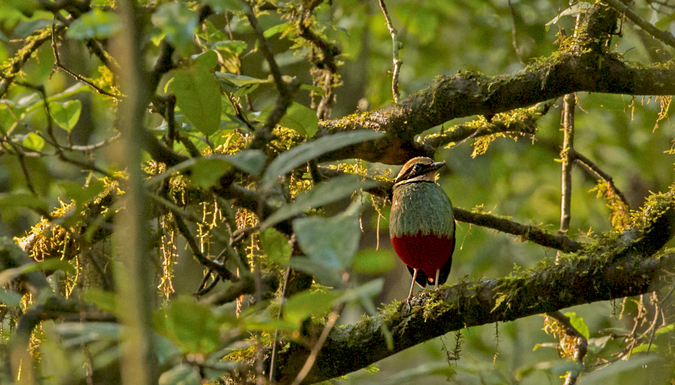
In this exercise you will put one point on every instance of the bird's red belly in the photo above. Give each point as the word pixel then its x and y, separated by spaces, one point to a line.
pixel 424 252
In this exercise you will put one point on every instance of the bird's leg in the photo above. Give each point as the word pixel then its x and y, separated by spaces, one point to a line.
pixel 438 273
pixel 412 286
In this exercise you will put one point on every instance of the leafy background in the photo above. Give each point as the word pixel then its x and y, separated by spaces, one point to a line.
pixel 628 136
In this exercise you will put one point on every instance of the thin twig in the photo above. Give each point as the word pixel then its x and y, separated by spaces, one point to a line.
pixel 78 77
pixel 332 318
pixel 396 46
pixel 218 267
pixel 276 331
pixel 567 155
pixel 326 66
pixel 581 159
pixel 514 38
pixel 664 37
pixel 582 343
pixel 264 134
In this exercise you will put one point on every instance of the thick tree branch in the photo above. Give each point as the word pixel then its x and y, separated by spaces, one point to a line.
pixel 585 66
pixel 624 267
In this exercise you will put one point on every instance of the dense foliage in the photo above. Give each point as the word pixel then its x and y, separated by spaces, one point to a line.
pixel 198 192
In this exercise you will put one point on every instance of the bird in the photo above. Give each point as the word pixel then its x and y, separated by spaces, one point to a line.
pixel 422 223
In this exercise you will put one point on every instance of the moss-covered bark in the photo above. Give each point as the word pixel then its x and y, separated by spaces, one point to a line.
pixel 626 264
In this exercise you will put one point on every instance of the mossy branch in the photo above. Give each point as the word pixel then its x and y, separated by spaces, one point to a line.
pixel 582 65
pixel 627 265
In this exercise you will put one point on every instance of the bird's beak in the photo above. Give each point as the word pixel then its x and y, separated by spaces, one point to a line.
pixel 436 166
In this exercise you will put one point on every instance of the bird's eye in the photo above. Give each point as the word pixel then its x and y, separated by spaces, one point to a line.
pixel 417 168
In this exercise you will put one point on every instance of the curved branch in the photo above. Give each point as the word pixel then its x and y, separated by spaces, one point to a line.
pixel 627 266
pixel 664 37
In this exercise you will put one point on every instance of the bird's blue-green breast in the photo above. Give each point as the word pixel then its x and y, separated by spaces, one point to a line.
pixel 421 206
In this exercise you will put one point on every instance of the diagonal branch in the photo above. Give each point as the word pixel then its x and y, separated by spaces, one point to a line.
pixel 627 266
pixel 664 37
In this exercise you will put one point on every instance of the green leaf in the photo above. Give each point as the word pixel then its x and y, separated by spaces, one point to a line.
pixel 178 24
pixel 198 97
pixel 305 152
pixel 77 333
pixel 207 172
pixel 276 29
pixel 81 194
pixel 26 7
pixel 10 298
pixel 22 199
pixel 327 276
pixel 95 24
pixel 104 300
pixel 67 114
pixel 208 59
pixel 664 22
pixel 309 87
pixel 6 118
pixel 249 161
pixel 33 141
pixel 242 80
pixel 618 367
pixel 369 289
pixel 322 194
pixel 330 242
pixel 665 329
pixel 276 246
pixel 222 5
pixel 233 47
pixel 576 9
pixel 300 306
pixel 300 119
pixel 182 374
pixel 371 261
pixel 52 264
pixel 191 326
pixel 578 324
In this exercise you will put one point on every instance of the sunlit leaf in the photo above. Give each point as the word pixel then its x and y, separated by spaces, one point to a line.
pixel 308 151
pixel 664 22
pixel 322 194
pixel 33 141
pixel 67 114
pixel 276 29
pixel 275 245
pixel 578 324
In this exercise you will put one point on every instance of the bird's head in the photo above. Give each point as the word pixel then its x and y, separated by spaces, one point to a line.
pixel 417 169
